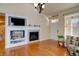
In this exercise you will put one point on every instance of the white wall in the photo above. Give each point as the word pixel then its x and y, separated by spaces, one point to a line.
pixel 31 14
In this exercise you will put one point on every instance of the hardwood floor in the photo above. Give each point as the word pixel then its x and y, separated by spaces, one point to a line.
pixel 43 48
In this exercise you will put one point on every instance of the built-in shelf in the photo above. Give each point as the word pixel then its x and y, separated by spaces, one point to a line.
pixel 72 47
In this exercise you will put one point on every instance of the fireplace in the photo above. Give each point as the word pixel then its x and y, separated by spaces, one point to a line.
pixel 33 36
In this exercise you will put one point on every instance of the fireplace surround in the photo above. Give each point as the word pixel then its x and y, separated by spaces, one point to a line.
pixel 33 34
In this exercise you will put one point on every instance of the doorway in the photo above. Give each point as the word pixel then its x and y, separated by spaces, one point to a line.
pixel 2 30
pixel 54 29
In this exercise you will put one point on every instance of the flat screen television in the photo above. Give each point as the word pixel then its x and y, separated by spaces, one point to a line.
pixel 16 21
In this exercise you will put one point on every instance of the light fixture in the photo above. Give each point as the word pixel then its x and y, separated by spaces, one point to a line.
pixel 39 6
pixel 54 20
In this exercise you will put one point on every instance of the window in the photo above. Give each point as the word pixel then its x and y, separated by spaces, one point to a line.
pixel 72 25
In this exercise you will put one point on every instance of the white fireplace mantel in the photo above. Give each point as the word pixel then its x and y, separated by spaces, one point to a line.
pixel 32 28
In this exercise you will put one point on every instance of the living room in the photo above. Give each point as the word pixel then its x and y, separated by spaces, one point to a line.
pixel 44 27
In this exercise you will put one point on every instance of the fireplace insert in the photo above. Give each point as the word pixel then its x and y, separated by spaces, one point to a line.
pixel 33 36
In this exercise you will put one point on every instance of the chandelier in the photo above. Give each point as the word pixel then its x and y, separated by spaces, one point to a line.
pixel 39 6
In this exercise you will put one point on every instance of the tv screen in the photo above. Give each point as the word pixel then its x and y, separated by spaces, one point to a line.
pixel 17 21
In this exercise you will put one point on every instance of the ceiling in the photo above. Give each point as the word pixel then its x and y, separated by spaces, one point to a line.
pixel 52 8
pixel 49 10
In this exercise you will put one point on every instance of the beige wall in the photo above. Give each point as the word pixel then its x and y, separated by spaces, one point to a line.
pixel 30 13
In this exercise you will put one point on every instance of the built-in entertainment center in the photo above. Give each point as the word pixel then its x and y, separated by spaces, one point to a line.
pixel 18 32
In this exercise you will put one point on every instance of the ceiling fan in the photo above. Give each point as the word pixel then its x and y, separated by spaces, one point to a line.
pixel 39 6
